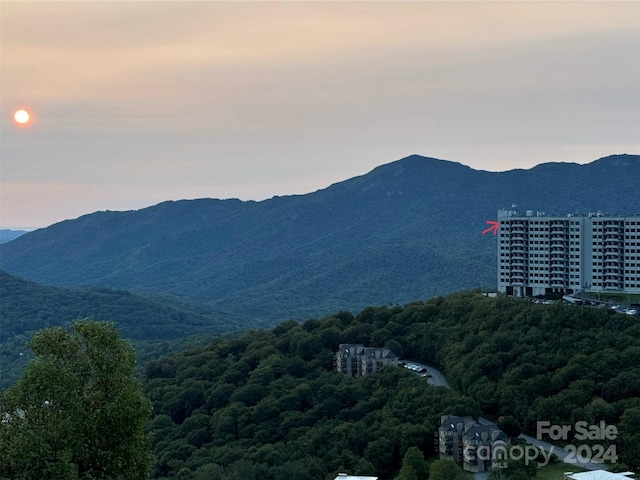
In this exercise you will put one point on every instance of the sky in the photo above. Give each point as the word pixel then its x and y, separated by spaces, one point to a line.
pixel 138 102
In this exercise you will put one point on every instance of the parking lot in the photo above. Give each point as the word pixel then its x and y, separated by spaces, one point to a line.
pixel 430 374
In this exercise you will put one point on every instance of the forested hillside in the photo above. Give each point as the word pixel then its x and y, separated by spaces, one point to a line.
pixel 407 230
pixel 268 405
pixel 26 307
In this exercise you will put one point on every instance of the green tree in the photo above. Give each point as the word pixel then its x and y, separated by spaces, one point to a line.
pixel 407 473
pixel 515 470
pixel 77 412
pixel 413 462
pixel 446 470
pixel 630 437
pixel 510 426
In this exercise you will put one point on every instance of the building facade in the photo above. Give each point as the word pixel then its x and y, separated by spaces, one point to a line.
pixel 450 433
pixel 356 360
pixel 539 254
pixel 482 447
pixel 474 446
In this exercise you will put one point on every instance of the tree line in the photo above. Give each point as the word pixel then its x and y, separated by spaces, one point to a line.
pixel 270 398
pixel 268 404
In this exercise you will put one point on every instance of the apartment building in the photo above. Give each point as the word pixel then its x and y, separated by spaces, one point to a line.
pixel 450 433
pixel 474 446
pixel 356 360
pixel 482 446
pixel 540 254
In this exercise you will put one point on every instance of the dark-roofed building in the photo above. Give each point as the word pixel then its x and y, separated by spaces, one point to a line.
pixel 450 435
pixel 479 445
pixel 468 443
pixel 355 359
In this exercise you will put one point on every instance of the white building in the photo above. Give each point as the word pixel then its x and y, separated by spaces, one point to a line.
pixel 540 254
pixel 344 476
pixel 599 475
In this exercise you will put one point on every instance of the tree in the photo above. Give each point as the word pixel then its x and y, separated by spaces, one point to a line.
pixel 630 437
pixel 77 408
pixel 510 426
pixel 515 470
pixel 413 465
pixel 446 470
pixel 407 473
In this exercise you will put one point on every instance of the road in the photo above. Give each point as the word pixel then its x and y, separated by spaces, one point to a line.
pixel 435 378
pixel 564 455
pixel 438 379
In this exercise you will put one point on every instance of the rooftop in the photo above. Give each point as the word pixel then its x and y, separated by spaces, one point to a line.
pixel 599 475
pixel 515 213
pixel 344 476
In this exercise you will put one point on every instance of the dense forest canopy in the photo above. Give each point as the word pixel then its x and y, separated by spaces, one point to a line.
pixel 28 306
pixel 154 323
pixel 268 404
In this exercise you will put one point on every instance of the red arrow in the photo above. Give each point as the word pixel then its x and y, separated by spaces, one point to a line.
pixel 494 226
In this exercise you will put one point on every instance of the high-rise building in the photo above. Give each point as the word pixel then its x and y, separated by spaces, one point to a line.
pixel 539 254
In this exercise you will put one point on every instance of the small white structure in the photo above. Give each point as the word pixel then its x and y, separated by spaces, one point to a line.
pixel 344 476
pixel 599 475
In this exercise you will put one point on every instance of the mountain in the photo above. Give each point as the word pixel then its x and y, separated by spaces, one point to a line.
pixel 407 230
pixel 6 235
pixel 27 307
pixel 152 323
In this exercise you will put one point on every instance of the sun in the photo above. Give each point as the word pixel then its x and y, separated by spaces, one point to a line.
pixel 22 117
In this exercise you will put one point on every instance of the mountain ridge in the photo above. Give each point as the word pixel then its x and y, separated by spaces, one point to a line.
pixel 29 306
pixel 406 230
pixel 8 234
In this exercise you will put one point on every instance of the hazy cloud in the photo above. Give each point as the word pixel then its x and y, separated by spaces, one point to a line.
pixel 165 100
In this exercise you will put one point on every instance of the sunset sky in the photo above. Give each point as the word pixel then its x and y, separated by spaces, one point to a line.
pixel 134 103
